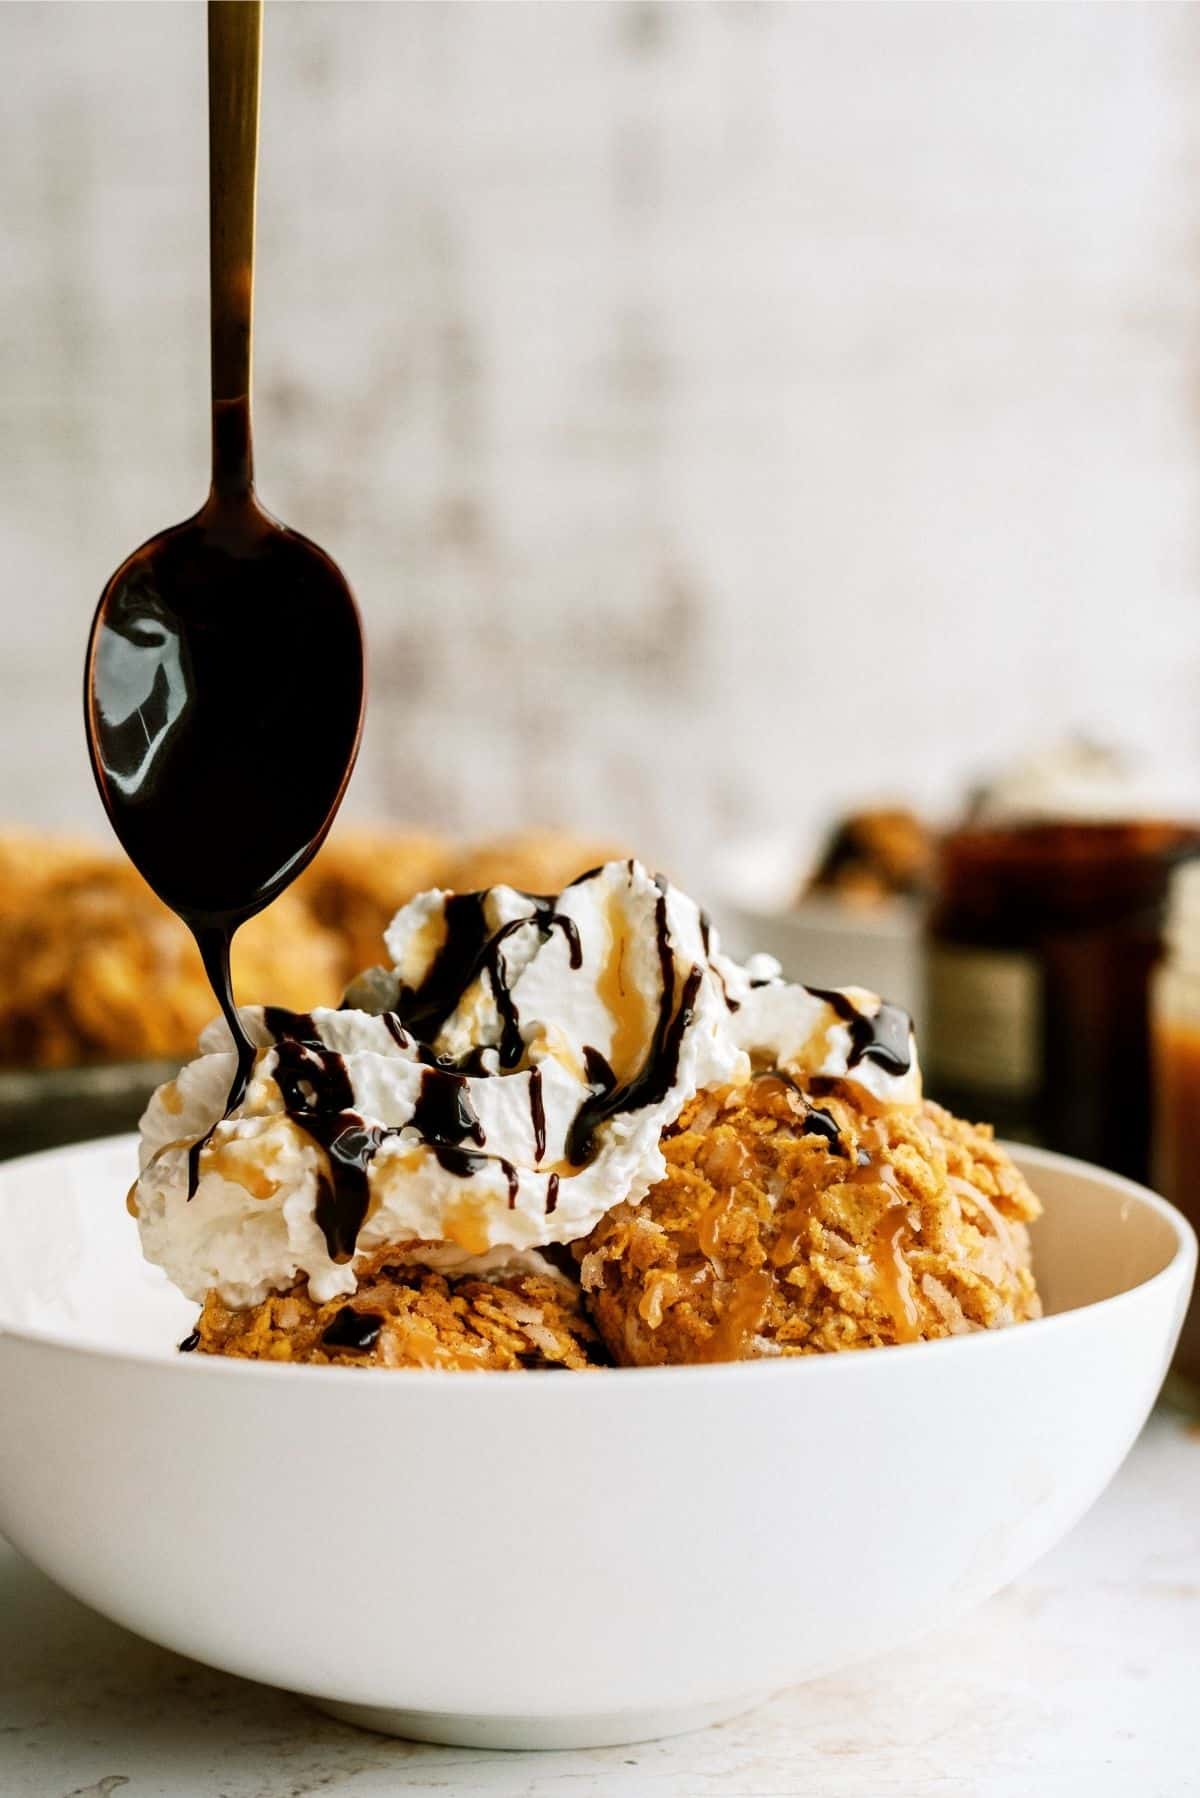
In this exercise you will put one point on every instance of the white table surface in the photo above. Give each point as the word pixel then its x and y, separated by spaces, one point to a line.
pixel 1084 1678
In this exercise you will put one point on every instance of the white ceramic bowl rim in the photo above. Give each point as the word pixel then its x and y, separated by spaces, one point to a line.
pixel 797 1366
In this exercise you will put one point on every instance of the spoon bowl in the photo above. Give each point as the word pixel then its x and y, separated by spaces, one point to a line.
pixel 224 704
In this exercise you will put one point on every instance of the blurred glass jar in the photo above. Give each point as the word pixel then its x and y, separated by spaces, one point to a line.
pixel 1176 1039
pixel 1041 945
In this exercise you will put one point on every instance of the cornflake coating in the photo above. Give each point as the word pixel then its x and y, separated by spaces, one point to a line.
pixel 766 1238
pixel 94 968
pixel 410 1316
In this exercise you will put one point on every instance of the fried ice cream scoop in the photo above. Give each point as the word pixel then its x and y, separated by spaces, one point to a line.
pixel 796 1220
pixel 407 1315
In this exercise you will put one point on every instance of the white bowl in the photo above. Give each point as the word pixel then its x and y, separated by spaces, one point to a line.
pixel 526 1561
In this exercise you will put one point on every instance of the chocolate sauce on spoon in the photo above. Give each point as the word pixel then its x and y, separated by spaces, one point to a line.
pixel 224 682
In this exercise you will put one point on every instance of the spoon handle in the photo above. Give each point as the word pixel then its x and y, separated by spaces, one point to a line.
pixel 234 59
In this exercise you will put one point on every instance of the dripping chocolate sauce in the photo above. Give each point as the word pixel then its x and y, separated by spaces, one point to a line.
pixel 316 1086
pixel 471 949
pixel 445 1118
pixel 444 1113
pixel 885 1038
pixel 355 1330
pixel 817 1122
pixel 649 1086
pixel 820 1123
pixel 537 1116
pixel 706 939
pixel 318 1096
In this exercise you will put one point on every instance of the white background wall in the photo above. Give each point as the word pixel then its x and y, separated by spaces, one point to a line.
pixel 722 410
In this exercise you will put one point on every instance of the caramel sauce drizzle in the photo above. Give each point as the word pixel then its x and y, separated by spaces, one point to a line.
pixel 240 1169
pixel 777 1082
pixel 170 1098
pixel 708 1225
pixel 424 947
pixel 632 1015
pixel 893 1275
pixel 738 1322
pixel 610 1096
pixel 465 1223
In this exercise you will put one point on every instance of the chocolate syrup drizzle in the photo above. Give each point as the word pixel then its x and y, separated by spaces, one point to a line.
pixel 886 1038
pixel 470 950
pixel 817 1122
pixel 318 1095
pixel 444 1118
pixel 537 1115
pixel 297 1026
pixel 649 1086
pixel 705 939
pixel 351 1329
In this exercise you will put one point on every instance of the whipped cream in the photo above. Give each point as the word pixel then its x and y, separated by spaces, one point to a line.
pixel 499 1089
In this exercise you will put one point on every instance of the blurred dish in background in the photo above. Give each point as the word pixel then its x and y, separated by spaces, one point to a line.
pixel 824 942
pixel 876 856
pixel 102 992
pixel 1030 979
pixel 856 916
pixel 94 968
pixel 43 1108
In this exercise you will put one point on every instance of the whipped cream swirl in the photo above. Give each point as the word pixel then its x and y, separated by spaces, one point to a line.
pixel 499 1089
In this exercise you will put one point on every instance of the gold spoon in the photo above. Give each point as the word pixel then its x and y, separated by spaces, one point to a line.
pixel 224 681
